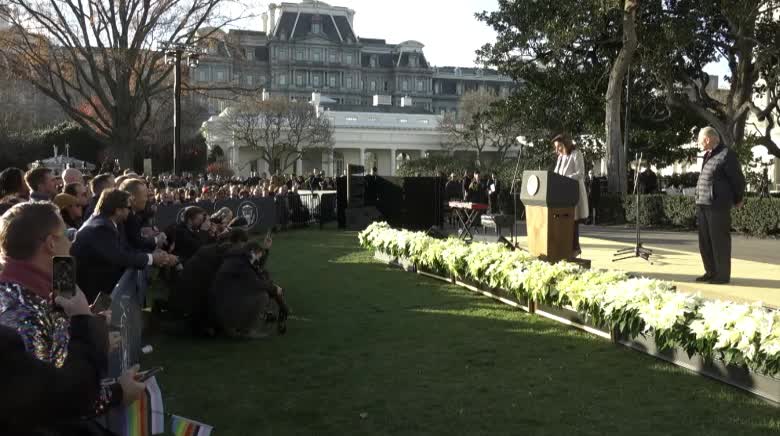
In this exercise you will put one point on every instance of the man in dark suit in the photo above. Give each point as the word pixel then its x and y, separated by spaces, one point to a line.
pixel 191 233
pixel 494 189
pixel 101 256
pixel 138 238
pixel 98 185
pixel 721 186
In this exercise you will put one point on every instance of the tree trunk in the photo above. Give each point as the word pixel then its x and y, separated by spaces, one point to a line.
pixel 616 159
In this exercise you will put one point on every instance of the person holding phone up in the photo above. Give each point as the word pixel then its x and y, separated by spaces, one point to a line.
pixel 59 331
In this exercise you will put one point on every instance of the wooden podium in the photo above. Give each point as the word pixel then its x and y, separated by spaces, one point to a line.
pixel 550 201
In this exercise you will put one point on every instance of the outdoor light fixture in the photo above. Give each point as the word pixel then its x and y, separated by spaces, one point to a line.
pixel 174 52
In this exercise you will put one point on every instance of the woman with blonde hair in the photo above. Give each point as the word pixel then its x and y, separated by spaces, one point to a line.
pixel 572 165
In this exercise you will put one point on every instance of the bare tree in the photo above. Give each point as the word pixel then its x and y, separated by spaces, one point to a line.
pixel 281 130
pixel 478 125
pixel 97 59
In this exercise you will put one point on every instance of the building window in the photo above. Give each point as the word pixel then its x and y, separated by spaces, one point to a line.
pixel 332 80
pixel 332 57
pixel 413 61
pixel 349 83
pixel 283 79
pixel 203 75
pixel 250 53
pixel 372 61
pixel 220 76
pixel 316 28
pixel 299 79
pixel 249 80
pixel 420 85
pixel 300 54
pixel 316 55
pixel 405 85
pixel 315 80
pixel 373 85
pixel 349 59
pixel 283 53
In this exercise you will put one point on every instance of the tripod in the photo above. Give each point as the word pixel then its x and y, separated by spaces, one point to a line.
pixel 637 250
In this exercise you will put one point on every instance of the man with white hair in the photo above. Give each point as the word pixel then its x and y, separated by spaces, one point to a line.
pixel 72 175
pixel 720 187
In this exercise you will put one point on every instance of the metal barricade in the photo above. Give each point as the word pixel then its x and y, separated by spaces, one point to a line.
pixel 299 210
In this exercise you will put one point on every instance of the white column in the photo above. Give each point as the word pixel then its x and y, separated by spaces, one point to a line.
pixel 362 156
pixel 333 164
pixel 392 161
pixel 299 167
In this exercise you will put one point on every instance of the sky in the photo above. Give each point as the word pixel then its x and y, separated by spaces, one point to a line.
pixel 448 29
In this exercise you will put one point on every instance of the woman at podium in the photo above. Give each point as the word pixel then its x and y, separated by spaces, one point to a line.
pixel 572 165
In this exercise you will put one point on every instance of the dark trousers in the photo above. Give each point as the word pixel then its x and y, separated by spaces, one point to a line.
pixel 715 241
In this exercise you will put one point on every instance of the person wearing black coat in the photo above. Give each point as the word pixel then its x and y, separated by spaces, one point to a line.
pixel 101 250
pixel 239 294
pixel 189 297
pixel 190 234
pixel 42 399
pixel 721 186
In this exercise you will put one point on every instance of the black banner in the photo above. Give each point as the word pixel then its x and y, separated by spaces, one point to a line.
pixel 260 213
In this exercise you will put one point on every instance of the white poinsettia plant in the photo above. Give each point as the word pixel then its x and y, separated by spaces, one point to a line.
pixel 736 332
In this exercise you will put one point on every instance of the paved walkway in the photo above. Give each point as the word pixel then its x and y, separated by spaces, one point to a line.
pixel 755 264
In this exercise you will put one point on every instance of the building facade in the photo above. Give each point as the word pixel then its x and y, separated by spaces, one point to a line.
pixel 312 47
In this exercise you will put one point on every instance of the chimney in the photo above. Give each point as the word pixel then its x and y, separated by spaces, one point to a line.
pixel 264 17
pixel 272 7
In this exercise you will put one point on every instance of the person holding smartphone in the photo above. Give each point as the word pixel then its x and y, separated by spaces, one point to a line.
pixel 53 328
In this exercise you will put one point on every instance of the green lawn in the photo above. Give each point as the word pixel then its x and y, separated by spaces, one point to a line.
pixel 373 350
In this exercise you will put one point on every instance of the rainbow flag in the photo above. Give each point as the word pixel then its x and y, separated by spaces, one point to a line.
pixel 146 416
pixel 186 427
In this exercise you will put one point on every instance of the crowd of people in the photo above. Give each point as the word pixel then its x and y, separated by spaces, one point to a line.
pixel 55 347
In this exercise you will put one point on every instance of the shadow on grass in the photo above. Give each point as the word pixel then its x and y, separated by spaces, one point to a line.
pixel 388 352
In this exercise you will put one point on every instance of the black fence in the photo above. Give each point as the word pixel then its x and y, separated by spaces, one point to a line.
pixel 282 211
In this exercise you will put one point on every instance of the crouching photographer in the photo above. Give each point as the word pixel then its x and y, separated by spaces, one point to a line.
pixel 54 352
pixel 241 290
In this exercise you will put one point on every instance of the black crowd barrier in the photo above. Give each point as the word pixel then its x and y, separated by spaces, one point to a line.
pixel 292 210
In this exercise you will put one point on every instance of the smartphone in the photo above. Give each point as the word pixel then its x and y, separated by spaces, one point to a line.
pixel 64 276
pixel 101 304
pixel 143 376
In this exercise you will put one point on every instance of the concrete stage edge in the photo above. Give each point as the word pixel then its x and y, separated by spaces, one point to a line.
pixel 676 259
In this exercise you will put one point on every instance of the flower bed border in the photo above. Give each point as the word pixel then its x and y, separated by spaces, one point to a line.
pixel 741 377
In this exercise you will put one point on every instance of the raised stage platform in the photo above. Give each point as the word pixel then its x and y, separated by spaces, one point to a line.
pixel 755 264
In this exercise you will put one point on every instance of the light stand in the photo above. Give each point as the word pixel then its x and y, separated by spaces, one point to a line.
pixel 637 250
pixel 514 194
pixel 173 56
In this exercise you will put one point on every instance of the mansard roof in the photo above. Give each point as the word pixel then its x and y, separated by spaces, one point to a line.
pixel 334 28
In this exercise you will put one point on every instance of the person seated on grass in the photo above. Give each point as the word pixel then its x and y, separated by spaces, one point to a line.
pixel 240 293
pixel 188 298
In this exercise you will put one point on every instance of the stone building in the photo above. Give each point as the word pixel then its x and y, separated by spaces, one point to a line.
pixel 312 47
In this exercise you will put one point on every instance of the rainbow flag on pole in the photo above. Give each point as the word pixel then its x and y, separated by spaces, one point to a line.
pixel 187 427
pixel 146 416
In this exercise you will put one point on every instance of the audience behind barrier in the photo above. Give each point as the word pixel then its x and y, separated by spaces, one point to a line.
pixel 55 350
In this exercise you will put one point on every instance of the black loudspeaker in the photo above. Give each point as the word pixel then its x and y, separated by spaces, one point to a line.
pixel 359 218
pixel 436 233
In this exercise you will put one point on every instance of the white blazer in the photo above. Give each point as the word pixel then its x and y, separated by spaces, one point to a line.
pixel 573 167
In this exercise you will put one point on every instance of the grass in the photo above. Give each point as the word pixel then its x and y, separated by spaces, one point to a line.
pixel 373 350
